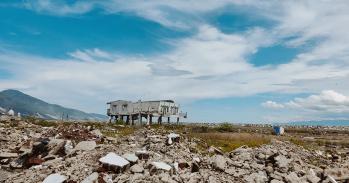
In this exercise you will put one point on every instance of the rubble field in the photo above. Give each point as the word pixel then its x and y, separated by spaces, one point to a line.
pixel 101 153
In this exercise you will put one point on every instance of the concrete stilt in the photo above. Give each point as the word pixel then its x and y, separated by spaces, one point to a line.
pixel 148 120
pixel 168 119
pixel 177 120
pixel 132 120
pixel 140 118
pixel 159 120
pixel 128 120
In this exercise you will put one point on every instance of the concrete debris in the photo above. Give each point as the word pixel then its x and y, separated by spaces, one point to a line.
pixel 86 146
pixel 8 155
pixel 113 159
pixel 93 178
pixel 34 153
pixel 131 157
pixel 55 178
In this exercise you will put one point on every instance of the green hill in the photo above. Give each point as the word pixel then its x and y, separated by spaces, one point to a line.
pixel 28 105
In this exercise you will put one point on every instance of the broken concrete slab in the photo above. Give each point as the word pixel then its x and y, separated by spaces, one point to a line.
pixel 114 162
pixel 8 155
pixel 55 178
pixel 86 146
pixel 131 157
pixel 93 178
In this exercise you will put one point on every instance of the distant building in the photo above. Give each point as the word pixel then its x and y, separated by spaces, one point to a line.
pixel 148 109
pixel 279 130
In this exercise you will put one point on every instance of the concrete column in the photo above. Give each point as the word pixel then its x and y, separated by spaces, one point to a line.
pixel 132 120
pixel 128 120
pixel 159 120
pixel 177 120
pixel 119 117
pixel 148 119
pixel 168 119
pixel 115 118
pixel 151 119
pixel 140 118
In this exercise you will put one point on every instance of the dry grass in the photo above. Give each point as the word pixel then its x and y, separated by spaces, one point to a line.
pixel 230 141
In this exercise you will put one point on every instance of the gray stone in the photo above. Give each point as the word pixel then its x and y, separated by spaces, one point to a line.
pixel 86 145
pixel 137 169
pixel 93 178
pixel 55 178
pixel 8 155
pixel 219 162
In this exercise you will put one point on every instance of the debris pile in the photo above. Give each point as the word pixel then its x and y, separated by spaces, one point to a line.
pixel 47 154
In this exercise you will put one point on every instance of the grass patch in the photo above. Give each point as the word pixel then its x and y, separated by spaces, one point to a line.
pixel 230 141
pixel 119 131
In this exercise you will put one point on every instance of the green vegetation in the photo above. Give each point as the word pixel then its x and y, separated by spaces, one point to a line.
pixel 230 141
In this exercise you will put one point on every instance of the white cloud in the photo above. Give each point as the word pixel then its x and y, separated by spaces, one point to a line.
pixel 210 64
pixel 328 101
pixel 272 104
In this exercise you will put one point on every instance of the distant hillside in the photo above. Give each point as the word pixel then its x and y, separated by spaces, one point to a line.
pixel 28 105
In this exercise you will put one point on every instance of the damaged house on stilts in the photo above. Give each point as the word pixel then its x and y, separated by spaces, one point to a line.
pixel 133 112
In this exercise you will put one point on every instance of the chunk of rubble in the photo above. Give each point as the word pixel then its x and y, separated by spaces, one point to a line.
pixel 142 154
pixel 218 162
pixel 137 169
pixel 8 155
pixel 131 157
pixel 114 162
pixel 337 173
pixel 86 145
pixel 55 178
pixel 159 166
pixel 93 178
pixel 215 150
pixel 172 137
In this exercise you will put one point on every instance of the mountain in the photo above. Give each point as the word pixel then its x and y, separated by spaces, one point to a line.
pixel 28 105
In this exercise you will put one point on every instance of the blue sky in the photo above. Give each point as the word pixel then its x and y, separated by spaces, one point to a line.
pixel 232 61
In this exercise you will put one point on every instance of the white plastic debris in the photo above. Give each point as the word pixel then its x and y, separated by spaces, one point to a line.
pixel 172 137
pixel 114 160
pixel 11 112
pixel 161 166
pixel 332 180
pixel 55 178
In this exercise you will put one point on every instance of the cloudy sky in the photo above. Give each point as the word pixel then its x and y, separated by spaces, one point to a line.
pixel 228 60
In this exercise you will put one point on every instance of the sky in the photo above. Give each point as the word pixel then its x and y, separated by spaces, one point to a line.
pixel 223 61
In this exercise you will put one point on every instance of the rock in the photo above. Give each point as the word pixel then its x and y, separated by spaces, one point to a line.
pixel 68 147
pixel 311 177
pixel 276 181
pixel 158 166
pixel 93 178
pixel 8 155
pixel 293 178
pixel 218 162
pixel 114 162
pixel 137 169
pixel 55 178
pixel 282 162
pixel 337 173
pixel 259 177
pixel 142 154
pixel 215 150
pixel 86 145
pixel 132 158
pixel 56 147
pixel 97 133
